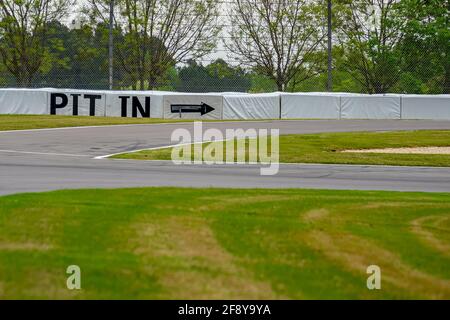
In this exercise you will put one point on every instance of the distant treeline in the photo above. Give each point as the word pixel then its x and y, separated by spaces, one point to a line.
pixel 378 46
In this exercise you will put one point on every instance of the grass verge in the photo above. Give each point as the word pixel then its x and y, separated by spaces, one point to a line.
pixel 325 147
pixel 23 122
pixel 174 243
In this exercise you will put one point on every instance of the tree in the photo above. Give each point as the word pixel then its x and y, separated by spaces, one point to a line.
pixel 427 45
pixel 158 34
pixel 370 33
pixel 3 79
pixel 226 77
pixel 215 77
pixel 79 57
pixel 277 38
pixel 23 31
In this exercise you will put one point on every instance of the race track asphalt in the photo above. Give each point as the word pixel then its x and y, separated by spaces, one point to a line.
pixel 50 159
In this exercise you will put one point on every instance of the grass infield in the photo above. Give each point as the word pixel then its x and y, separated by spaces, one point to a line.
pixel 177 243
pixel 25 122
pixel 326 147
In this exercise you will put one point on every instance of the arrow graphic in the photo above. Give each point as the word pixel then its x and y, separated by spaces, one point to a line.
pixel 203 108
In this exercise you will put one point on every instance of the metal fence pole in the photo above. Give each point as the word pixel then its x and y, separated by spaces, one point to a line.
pixel 111 24
pixel 330 58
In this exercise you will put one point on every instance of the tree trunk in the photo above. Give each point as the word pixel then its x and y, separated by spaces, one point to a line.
pixel 152 82
pixel 29 80
pixel 280 85
pixel 20 80
pixel 446 88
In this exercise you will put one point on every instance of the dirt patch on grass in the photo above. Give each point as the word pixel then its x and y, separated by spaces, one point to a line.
pixel 218 203
pixel 250 199
pixel 356 254
pixel 424 234
pixel 379 205
pixel 38 284
pixel 315 214
pixel 26 246
pixel 195 264
pixel 415 150
pixel 51 285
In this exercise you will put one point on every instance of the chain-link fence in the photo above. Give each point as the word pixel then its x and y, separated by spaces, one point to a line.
pixel 229 45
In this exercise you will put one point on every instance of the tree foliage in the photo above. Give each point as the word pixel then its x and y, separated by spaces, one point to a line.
pixel 426 45
pixel 153 35
pixel 279 38
pixel 218 76
pixel 23 34
pixel 379 45
pixel 370 33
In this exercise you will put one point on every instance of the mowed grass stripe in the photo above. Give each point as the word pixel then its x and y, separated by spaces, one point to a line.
pixel 326 147
pixel 158 243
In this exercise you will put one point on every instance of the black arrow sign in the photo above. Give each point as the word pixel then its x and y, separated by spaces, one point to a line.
pixel 203 108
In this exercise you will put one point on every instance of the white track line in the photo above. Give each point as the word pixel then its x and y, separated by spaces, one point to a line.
pixel 230 121
pixel 173 146
pixel 327 165
pixel 158 148
pixel 87 127
pixel 46 153
pixel 137 124
pixel 134 151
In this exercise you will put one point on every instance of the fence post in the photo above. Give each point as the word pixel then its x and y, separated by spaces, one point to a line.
pixel 330 58
pixel 111 24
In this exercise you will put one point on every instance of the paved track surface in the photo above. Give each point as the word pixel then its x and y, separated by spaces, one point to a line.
pixel 41 160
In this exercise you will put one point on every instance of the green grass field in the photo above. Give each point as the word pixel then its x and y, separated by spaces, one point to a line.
pixel 325 147
pixel 157 243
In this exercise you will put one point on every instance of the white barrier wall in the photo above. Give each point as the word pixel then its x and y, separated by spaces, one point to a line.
pixel 426 107
pixel 364 106
pixel 145 104
pixel 205 106
pixel 23 101
pixel 251 106
pixel 229 105
pixel 310 106
pixel 77 102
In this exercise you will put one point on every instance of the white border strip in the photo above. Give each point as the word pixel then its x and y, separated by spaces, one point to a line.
pixel 158 148
pixel 46 153
pixel 173 146
pixel 145 124
pixel 290 164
